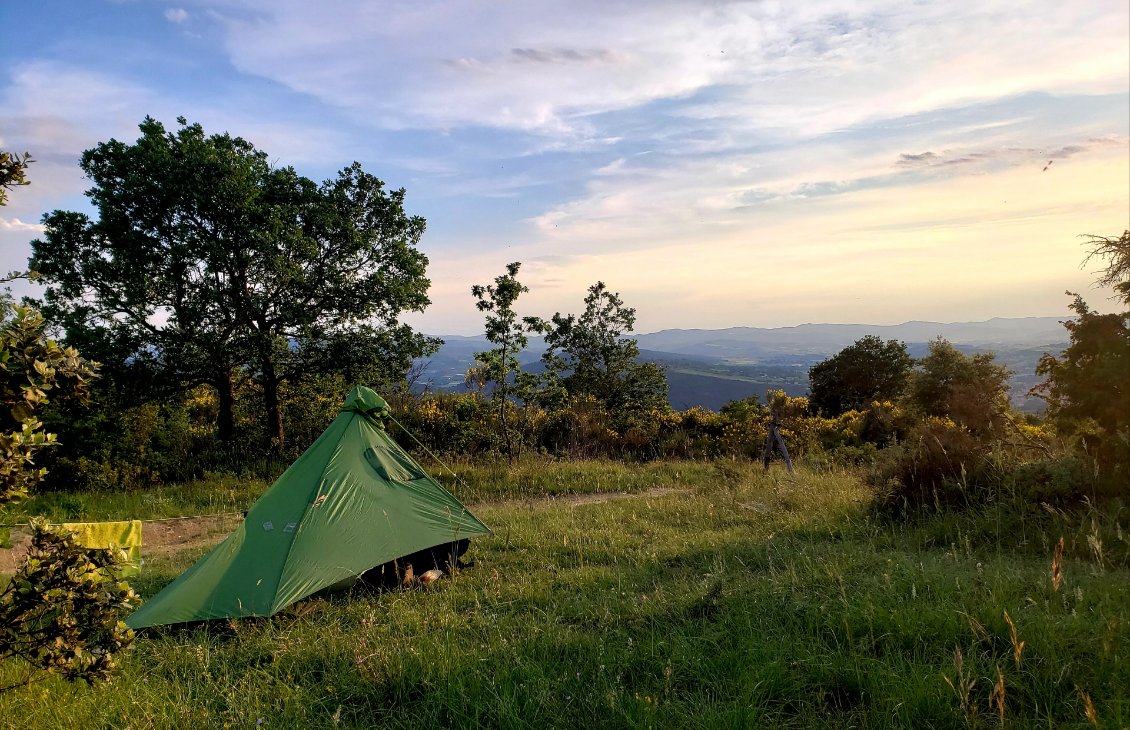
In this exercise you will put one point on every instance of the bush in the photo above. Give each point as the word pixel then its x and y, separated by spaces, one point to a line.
pixel 63 609
pixel 935 465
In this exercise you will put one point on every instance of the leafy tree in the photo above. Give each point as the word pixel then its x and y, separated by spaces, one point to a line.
pixel 1087 387
pixel 867 371
pixel 591 356
pixel 972 391
pixel 206 263
pixel 499 367
pixel 31 367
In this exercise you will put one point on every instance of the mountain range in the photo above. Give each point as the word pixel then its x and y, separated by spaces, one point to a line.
pixel 712 367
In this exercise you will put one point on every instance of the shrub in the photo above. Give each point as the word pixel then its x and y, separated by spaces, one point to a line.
pixel 63 609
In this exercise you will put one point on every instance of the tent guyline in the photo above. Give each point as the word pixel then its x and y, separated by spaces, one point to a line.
pixel 429 453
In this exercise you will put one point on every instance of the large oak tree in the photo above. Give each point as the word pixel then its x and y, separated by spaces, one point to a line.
pixel 206 263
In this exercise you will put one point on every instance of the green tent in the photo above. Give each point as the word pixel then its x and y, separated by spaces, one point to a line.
pixel 353 501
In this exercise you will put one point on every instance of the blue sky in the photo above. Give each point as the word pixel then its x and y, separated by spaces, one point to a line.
pixel 718 163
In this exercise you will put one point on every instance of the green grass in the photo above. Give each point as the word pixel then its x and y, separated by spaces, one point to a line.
pixel 215 494
pixel 742 600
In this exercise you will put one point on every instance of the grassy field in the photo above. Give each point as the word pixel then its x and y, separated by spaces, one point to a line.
pixel 735 599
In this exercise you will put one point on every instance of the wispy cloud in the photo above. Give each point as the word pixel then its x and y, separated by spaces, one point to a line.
pixel 678 149
pixel 1008 156
pixel 15 224
pixel 788 69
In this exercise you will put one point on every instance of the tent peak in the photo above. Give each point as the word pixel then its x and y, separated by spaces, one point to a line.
pixel 366 402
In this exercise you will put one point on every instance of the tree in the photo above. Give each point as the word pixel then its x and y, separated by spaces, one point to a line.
pixel 591 356
pixel 31 368
pixel 972 391
pixel 206 263
pixel 1087 387
pixel 1116 251
pixel 867 371
pixel 499 366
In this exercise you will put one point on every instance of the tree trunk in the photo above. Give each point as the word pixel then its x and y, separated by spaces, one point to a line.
pixel 225 421
pixel 271 404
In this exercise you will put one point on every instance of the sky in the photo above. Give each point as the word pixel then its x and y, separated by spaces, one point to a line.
pixel 717 163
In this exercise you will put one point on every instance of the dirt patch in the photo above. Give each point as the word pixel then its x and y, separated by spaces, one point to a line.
pixel 169 536
pixel 158 537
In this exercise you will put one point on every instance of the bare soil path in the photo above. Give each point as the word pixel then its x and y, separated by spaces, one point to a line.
pixel 159 537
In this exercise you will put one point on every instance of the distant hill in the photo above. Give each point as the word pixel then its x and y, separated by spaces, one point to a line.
pixel 712 367
pixel 811 339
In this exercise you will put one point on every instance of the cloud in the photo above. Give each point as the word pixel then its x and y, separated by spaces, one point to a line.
pixel 63 108
pixel 935 249
pixel 15 224
pixel 642 137
pixel 566 55
pixel 787 69
pixel 632 205
pixel 1008 156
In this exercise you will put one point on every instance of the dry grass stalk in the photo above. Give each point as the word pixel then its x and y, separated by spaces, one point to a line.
pixel 997 695
pixel 1096 547
pixel 1057 566
pixel 962 686
pixel 1017 645
pixel 1088 707
pixel 976 627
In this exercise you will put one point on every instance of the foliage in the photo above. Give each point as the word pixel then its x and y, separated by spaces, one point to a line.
pixel 1086 387
pixel 63 609
pixel 499 367
pixel 60 611
pixel 33 369
pixel 956 442
pixel 591 357
pixel 581 427
pixel 13 172
pixel 869 370
pixel 207 265
pixel 113 444
pixel 972 391
pixel 1116 251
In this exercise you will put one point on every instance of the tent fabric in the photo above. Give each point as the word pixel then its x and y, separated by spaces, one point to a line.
pixel 352 501
pixel 124 535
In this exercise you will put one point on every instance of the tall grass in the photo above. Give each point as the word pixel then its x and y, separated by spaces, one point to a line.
pixel 739 600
